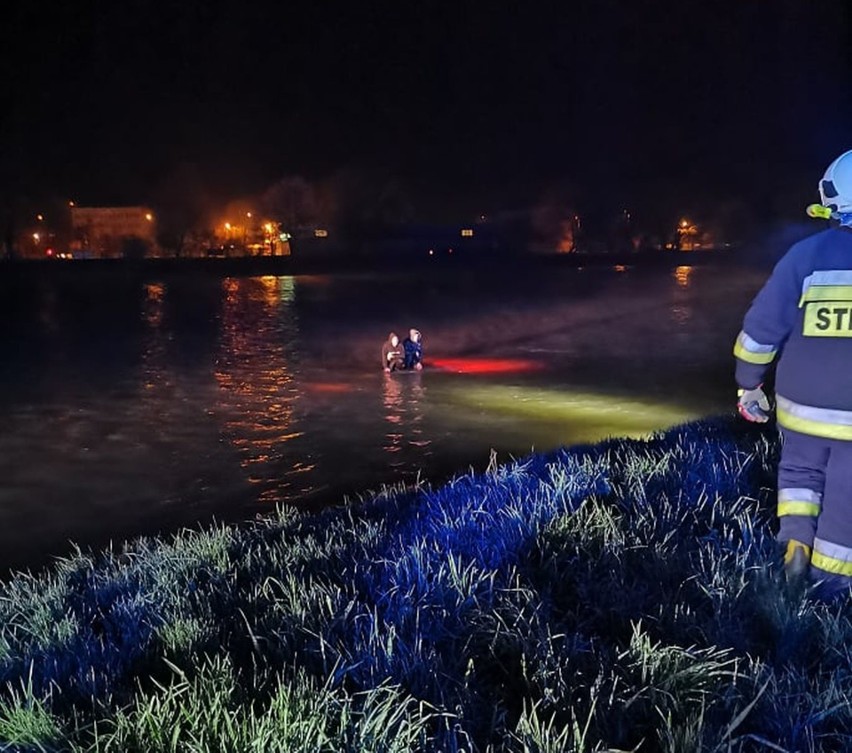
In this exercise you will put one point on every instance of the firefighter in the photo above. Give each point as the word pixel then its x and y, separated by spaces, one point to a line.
pixel 804 312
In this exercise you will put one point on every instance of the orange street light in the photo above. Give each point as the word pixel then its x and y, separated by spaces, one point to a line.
pixel 149 217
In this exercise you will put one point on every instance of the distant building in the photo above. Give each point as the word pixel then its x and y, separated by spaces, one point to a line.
pixel 112 232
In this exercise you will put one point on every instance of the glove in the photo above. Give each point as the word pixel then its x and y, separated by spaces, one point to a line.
pixel 753 405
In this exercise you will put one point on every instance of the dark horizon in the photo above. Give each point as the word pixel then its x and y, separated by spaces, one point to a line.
pixel 465 110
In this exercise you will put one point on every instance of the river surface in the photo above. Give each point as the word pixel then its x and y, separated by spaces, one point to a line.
pixel 134 407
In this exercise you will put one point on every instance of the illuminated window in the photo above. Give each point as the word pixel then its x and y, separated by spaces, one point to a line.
pixel 467 232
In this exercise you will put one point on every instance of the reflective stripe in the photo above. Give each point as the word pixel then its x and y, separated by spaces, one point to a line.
pixel 827 293
pixel 799 502
pixel 818 422
pixel 826 277
pixel 751 351
pixel 798 508
pixel 832 558
pixel 789 494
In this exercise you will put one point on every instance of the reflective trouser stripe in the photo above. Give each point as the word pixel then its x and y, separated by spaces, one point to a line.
pixel 832 558
pixel 751 351
pixel 818 422
pixel 799 502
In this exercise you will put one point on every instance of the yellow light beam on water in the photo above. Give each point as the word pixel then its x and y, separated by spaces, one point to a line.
pixel 576 416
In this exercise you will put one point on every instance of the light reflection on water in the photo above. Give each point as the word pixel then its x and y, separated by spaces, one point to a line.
pixel 147 406
pixel 403 402
pixel 681 299
pixel 682 275
pixel 256 361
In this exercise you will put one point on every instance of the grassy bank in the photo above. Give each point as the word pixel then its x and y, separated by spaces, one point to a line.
pixel 621 596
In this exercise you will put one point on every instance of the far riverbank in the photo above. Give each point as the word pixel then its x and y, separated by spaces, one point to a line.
pixel 256 266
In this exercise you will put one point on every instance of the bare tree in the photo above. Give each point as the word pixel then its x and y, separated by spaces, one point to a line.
pixel 182 205
pixel 293 202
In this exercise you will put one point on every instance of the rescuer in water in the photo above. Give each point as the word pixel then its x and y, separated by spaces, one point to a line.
pixel 805 308
pixel 413 350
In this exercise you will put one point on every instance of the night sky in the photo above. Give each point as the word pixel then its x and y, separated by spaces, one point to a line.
pixel 472 106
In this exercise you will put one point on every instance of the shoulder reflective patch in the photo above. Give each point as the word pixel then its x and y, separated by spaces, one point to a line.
pixel 827 319
pixel 828 277
pixel 827 293
pixel 825 278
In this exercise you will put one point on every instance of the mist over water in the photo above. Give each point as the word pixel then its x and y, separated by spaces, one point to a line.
pixel 140 406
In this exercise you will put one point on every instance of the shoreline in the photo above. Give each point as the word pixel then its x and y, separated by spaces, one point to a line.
pixel 542 605
pixel 13 270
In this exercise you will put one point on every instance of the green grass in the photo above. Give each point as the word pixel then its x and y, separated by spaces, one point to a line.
pixel 622 596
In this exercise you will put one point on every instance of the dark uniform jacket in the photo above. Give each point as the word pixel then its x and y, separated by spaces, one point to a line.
pixel 413 352
pixel 804 312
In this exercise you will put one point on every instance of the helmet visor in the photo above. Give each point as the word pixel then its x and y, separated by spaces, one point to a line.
pixel 828 189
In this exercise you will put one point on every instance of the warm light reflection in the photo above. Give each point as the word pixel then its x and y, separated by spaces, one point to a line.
pixel 485 365
pixel 336 388
pixel 402 399
pixel 277 289
pixel 319 280
pixel 269 286
pixel 258 391
pixel 160 382
pixel 393 404
pixel 682 305
pixel 682 275
pixel 155 293
pixel 392 399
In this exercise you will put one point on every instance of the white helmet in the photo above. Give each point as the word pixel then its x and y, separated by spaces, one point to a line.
pixel 835 188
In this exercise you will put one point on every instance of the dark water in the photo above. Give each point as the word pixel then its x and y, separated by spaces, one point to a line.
pixel 137 406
